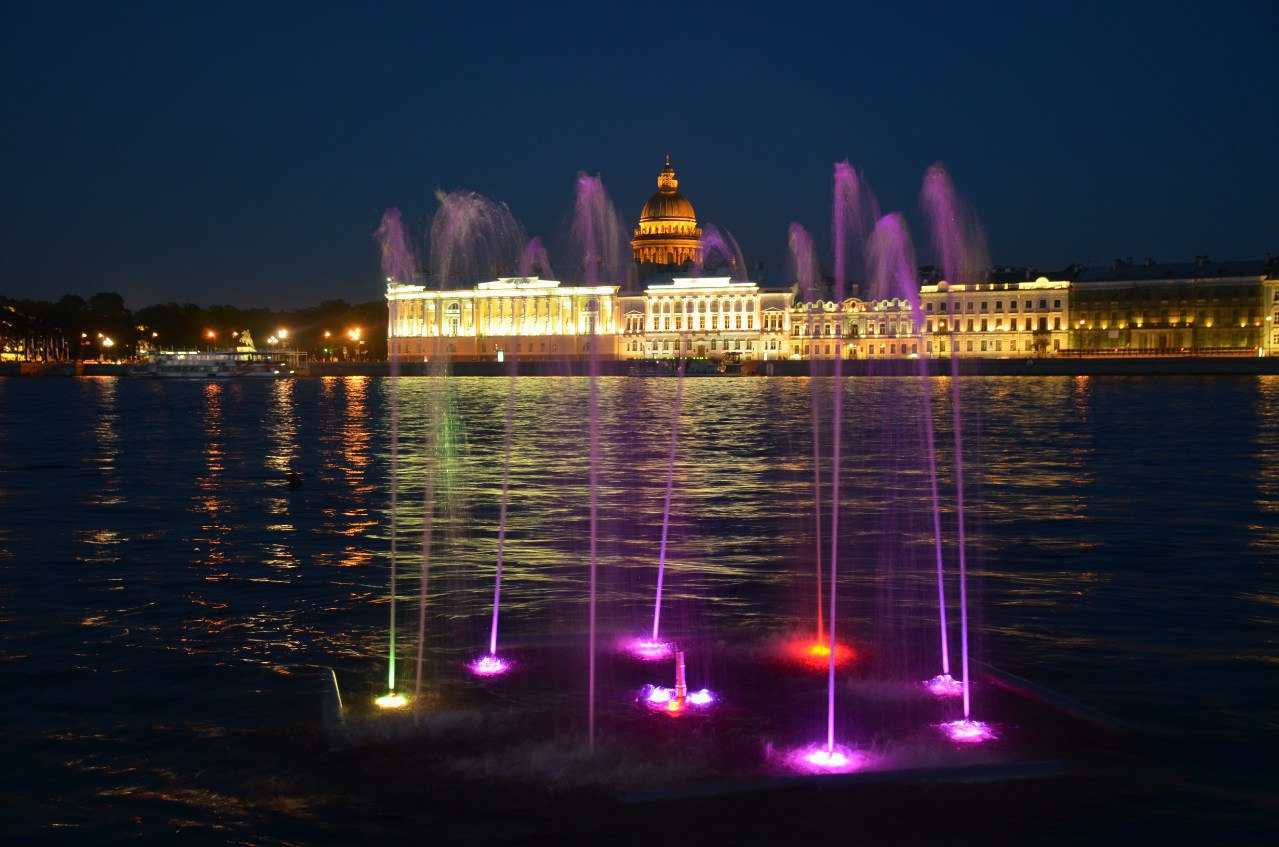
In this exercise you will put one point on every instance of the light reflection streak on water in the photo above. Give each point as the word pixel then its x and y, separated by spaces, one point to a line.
pixel 103 395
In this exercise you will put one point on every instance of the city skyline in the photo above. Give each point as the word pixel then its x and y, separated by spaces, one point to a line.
pixel 245 156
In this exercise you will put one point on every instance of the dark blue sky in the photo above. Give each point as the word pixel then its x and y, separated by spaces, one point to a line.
pixel 243 153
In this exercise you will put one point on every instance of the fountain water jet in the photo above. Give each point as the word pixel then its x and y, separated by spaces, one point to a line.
pixel 892 271
pixel 961 247
pixel 399 264
pixel 471 237
pixel 655 648
pixel 804 267
pixel 599 233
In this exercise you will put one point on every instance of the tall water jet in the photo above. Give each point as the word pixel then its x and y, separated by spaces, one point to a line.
pixel 851 208
pixel 802 258
pixel 400 265
pixel 534 261
pixel 893 273
pixel 600 238
pixel 959 244
pixel 472 237
pixel 655 647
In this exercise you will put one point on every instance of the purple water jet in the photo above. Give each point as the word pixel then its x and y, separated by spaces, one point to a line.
pixel 719 244
pixel 666 512
pixel 960 245
pixel 598 232
pixel 893 273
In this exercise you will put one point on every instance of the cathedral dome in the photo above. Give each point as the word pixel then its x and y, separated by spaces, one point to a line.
pixel 667 203
pixel 667 233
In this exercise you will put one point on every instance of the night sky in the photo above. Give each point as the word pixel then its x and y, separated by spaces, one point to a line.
pixel 243 153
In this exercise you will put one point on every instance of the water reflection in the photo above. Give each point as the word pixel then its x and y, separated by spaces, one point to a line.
pixel 102 395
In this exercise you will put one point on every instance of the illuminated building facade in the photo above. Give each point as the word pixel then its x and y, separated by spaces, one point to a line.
pixel 529 317
pixel 998 319
pixel 986 320
pixel 705 318
pixel 1204 307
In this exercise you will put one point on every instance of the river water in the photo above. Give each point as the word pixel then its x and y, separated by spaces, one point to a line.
pixel 171 611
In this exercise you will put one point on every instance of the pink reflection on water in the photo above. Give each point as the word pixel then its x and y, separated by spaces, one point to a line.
pixel 651 651
pixel 818 758
pixel 945 685
pixel 489 666
pixel 967 731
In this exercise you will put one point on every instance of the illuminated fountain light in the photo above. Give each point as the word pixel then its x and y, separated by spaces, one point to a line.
pixel 945 685
pixel 651 650
pixel 489 665
pixel 391 700
pixel 819 758
pixel 665 700
pixel 677 700
pixel 816 654
pixel 967 731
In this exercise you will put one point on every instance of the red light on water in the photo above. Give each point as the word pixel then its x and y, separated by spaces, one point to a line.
pixel 816 654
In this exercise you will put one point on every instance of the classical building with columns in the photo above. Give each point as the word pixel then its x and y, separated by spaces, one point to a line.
pixel 530 317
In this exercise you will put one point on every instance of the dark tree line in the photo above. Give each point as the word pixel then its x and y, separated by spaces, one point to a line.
pixel 100 327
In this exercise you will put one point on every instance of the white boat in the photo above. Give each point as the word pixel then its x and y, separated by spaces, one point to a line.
pixel 243 362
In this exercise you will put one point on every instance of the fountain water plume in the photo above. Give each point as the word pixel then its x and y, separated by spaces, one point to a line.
pixel 598 232
pixel 534 261
pixel 802 259
pixel 473 238
pixel 666 509
pixel 892 273
pixel 398 264
pixel 960 245
pixel 718 243
pixel 852 203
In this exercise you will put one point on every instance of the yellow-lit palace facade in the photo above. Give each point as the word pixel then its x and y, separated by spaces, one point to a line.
pixel 534 318
pixel 1201 308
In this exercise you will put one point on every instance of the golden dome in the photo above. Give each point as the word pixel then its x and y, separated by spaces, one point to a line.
pixel 667 203
pixel 667 233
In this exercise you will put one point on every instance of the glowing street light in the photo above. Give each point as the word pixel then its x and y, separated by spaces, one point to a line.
pixel 282 333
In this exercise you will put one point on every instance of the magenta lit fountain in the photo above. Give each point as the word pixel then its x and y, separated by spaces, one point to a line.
pixel 892 272
pixel 852 207
pixel 599 236
pixel 471 236
pixel 960 245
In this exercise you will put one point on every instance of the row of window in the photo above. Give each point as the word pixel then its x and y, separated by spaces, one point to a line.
pixel 984 325
pixel 729 323
pixel 945 306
